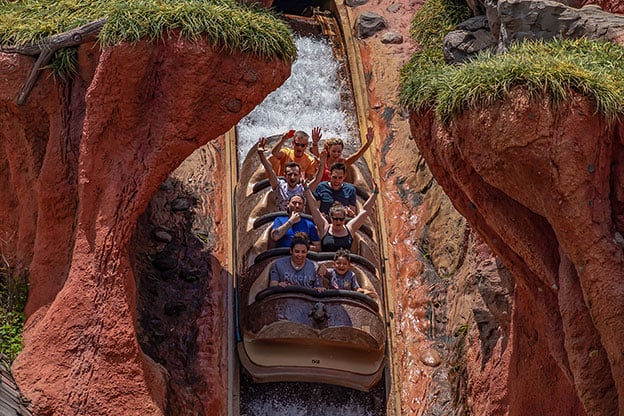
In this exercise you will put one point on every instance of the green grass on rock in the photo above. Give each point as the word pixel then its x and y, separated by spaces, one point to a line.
pixel 228 25
pixel 556 68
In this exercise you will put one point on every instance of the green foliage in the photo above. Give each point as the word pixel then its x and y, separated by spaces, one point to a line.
pixel 65 63
pixel 431 23
pixel 435 19
pixel 11 333
pixel 462 330
pixel 228 25
pixel 556 69
pixel 13 295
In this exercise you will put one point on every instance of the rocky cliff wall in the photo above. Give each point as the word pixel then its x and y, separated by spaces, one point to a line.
pixel 80 162
pixel 541 184
pixel 490 340
pixel 507 346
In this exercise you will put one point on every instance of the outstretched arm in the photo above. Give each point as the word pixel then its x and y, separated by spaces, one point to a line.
pixel 265 162
pixel 316 137
pixel 359 219
pixel 313 205
pixel 319 172
pixel 370 135
pixel 277 149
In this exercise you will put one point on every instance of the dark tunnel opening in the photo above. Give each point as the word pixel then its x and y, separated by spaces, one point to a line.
pixel 298 7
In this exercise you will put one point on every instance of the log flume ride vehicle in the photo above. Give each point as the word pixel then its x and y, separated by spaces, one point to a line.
pixel 298 334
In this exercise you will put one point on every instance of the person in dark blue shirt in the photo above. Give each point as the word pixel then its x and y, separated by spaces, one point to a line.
pixel 336 189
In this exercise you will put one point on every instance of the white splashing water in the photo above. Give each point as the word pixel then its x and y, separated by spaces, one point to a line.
pixel 310 97
pixel 301 399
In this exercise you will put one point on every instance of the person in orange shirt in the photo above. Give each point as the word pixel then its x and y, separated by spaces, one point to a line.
pixel 297 154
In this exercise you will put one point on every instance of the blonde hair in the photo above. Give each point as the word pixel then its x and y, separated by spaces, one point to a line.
pixel 333 142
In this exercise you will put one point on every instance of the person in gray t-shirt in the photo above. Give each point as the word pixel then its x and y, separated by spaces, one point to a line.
pixel 297 269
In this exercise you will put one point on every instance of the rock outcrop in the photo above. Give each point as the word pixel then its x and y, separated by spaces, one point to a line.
pixel 498 24
pixel 80 162
pixel 542 185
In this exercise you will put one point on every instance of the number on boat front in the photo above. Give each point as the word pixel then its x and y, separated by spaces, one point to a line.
pixel 315 361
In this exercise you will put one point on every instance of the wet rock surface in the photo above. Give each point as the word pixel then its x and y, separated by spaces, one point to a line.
pixel 169 305
pixel 181 307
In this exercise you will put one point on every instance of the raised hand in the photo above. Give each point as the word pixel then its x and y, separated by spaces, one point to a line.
pixel 262 144
pixel 316 135
pixel 350 212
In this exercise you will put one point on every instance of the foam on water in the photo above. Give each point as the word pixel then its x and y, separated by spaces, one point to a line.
pixel 310 97
pixel 305 399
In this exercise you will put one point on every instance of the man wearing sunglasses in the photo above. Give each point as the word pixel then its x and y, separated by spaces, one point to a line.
pixel 297 154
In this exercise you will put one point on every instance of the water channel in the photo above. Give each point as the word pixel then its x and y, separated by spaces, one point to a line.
pixel 312 96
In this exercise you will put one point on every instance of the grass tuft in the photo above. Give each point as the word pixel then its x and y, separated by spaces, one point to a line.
pixel 227 24
pixel 556 68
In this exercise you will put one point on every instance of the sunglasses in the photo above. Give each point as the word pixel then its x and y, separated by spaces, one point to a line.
pixel 301 144
pixel 338 218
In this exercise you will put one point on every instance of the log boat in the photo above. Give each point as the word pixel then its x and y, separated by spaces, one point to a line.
pixel 297 334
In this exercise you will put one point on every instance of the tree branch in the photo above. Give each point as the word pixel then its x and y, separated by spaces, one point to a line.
pixel 46 48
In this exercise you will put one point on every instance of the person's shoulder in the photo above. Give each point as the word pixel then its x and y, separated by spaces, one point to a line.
pixel 313 233
pixel 282 261
pixel 349 186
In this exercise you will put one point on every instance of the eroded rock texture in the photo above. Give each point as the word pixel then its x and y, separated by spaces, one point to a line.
pixel 542 185
pixel 80 163
pixel 613 6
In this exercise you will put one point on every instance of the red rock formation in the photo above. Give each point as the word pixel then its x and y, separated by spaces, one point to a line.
pixel 420 220
pixel 541 185
pixel 80 163
pixel 612 6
